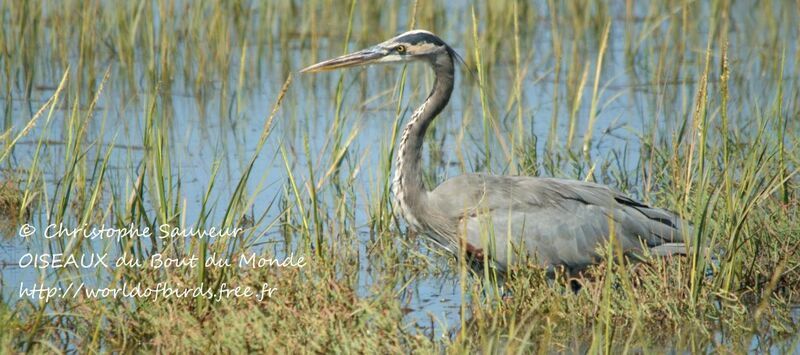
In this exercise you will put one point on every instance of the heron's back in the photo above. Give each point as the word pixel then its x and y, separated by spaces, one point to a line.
pixel 558 222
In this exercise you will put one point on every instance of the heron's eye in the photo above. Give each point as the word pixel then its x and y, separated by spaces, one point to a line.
pixel 401 49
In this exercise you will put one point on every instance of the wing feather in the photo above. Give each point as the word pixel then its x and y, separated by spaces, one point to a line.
pixel 558 222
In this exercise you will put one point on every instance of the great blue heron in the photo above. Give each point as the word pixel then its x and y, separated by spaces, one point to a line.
pixel 560 223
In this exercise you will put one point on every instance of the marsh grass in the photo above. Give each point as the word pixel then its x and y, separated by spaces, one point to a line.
pixel 187 114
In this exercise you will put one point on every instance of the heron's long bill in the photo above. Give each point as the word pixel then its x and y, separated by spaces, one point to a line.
pixel 362 57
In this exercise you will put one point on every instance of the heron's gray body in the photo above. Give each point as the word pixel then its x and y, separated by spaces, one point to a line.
pixel 559 223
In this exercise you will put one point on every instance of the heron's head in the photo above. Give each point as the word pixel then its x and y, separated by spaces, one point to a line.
pixel 409 46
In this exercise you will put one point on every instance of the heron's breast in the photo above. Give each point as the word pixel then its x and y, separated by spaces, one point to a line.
pixel 402 206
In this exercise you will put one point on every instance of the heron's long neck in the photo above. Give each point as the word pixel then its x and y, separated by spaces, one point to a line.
pixel 408 188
